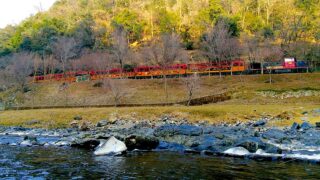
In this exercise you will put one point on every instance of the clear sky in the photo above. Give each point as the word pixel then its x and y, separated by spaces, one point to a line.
pixel 14 11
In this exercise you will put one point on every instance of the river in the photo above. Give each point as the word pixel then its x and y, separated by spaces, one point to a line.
pixel 69 163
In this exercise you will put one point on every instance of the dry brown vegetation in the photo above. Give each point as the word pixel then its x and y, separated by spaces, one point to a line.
pixel 246 103
pixel 147 91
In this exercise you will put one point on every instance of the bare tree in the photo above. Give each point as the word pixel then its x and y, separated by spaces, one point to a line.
pixel 64 49
pixel 50 64
pixel 20 69
pixel 118 88
pixel 219 45
pixel 120 48
pixel 192 83
pixel 164 51
pixel 271 53
pixel 36 65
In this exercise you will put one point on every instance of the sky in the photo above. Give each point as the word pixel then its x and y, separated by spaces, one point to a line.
pixel 14 11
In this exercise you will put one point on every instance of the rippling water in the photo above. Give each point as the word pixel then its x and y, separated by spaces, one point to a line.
pixel 66 163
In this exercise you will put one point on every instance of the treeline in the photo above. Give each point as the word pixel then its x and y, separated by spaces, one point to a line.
pixel 75 33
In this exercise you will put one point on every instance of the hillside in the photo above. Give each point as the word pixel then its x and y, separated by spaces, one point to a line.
pixel 253 89
pixel 252 98
pixel 92 22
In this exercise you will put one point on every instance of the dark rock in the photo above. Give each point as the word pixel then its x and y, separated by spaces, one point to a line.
pixel 269 148
pixel 318 124
pixel 29 141
pixel 20 129
pixel 219 136
pixel 141 143
pixel 226 142
pixel 184 140
pixel 259 123
pixel 85 143
pixel 284 140
pixel 252 144
pixel 30 138
pixel 170 146
pixel 306 126
pixel 295 126
pixel 102 123
pixel 189 130
pixel 310 137
pixel 206 143
pixel 256 134
pixel 273 134
pixel 77 118
pixel 170 130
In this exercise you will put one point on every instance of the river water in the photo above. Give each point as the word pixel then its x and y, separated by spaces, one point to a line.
pixel 69 163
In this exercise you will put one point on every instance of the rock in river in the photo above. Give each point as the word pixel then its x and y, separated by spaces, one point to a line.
pixel 295 126
pixel 85 143
pixel 237 151
pixel 141 143
pixel 306 126
pixel 111 146
pixel 29 141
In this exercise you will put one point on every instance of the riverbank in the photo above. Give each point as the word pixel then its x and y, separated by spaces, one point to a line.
pixel 257 139
pixel 278 115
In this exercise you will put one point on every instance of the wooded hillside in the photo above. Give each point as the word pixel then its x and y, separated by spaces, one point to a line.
pixel 90 26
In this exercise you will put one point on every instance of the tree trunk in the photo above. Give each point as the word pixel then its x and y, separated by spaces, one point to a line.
pixel 231 68
pixel 165 87
pixel 261 67
pixel 190 97
pixel 270 77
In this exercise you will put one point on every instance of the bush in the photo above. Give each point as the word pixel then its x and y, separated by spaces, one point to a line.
pixel 26 89
pixel 98 84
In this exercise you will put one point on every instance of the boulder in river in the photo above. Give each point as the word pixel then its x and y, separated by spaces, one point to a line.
pixel 306 126
pixel 240 151
pixel 273 134
pixel 295 126
pixel 29 141
pixel 85 143
pixel 111 146
pixel 141 143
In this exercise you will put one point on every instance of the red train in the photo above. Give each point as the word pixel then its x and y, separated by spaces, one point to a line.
pixel 225 67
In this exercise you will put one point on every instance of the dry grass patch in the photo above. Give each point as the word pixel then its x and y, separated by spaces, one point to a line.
pixel 58 118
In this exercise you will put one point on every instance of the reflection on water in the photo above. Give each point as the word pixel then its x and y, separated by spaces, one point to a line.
pixel 59 163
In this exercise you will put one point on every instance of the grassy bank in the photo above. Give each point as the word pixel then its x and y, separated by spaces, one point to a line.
pixel 252 98
pixel 151 91
pixel 218 113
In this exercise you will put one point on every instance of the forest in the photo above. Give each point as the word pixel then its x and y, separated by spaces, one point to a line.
pixel 95 34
